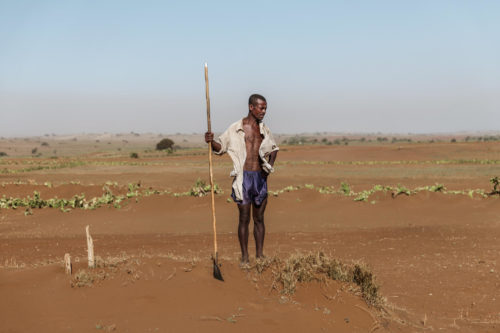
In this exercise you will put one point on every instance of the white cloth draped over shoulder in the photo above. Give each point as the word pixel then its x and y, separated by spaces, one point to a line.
pixel 232 141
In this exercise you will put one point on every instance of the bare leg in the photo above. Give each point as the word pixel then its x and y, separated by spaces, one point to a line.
pixel 244 221
pixel 259 229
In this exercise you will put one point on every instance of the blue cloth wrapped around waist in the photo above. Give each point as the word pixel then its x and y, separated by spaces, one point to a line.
pixel 254 188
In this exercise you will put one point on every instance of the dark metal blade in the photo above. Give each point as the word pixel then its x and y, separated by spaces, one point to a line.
pixel 217 273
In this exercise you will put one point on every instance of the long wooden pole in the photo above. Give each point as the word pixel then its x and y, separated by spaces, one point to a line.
pixel 209 125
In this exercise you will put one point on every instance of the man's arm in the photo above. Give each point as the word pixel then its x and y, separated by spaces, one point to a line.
pixel 272 157
pixel 209 138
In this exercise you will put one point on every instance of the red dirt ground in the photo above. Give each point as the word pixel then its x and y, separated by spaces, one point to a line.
pixel 434 255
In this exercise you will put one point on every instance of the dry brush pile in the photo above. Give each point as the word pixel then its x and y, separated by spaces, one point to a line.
pixel 301 268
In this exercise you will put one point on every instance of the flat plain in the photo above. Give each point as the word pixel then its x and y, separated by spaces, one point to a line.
pixel 418 216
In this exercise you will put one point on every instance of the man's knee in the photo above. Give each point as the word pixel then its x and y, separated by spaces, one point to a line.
pixel 245 221
pixel 258 219
pixel 244 214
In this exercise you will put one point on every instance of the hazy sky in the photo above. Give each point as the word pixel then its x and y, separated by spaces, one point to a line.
pixel 348 66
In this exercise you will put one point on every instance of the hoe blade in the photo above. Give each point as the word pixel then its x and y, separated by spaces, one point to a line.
pixel 217 273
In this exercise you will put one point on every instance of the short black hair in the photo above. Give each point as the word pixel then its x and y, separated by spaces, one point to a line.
pixel 253 99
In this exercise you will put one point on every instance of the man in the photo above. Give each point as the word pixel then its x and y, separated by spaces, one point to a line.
pixel 253 150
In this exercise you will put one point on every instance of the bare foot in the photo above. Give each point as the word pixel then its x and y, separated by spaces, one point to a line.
pixel 261 258
pixel 244 265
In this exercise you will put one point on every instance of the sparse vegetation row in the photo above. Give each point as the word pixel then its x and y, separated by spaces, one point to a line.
pixel 200 188
pixel 57 164
pixel 108 198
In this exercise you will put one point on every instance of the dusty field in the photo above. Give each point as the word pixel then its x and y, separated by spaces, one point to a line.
pixel 433 252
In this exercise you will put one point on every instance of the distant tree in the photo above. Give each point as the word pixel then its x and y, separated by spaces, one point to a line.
pixel 453 140
pixel 2 153
pixel 134 155
pixel 296 140
pixel 45 144
pixel 165 144
pixel 34 150
pixel 490 138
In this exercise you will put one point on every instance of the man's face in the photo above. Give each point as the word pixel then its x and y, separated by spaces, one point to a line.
pixel 259 109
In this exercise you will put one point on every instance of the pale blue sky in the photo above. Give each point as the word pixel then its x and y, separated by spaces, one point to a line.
pixel 348 66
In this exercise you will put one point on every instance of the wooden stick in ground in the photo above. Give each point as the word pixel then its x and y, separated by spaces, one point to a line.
pixel 90 248
pixel 209 126
pixel 67 263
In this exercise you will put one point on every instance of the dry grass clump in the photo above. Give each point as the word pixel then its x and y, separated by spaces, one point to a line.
pixel 319 267
pixel 107 269
pixel 87 277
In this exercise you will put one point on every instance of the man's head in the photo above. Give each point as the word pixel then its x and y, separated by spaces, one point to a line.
pixel 257 106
